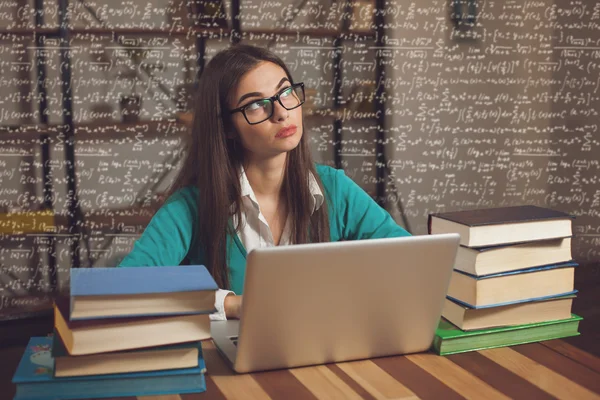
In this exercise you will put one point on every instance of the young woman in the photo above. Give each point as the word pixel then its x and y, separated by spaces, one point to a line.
pixel 248 180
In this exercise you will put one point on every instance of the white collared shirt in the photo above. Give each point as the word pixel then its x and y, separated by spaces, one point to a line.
pixel 255 231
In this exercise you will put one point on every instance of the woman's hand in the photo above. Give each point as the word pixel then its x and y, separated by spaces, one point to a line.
pixel 233 306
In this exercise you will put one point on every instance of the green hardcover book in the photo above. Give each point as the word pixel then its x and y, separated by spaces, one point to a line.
pixel 451 340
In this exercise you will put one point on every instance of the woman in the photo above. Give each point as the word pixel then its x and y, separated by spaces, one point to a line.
pixel 248 180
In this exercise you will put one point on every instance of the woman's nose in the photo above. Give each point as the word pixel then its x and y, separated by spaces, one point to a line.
pixel 280 113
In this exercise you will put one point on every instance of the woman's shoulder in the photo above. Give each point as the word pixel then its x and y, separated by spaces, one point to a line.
pixel 331 177
pixel 185 197
pixel 327 174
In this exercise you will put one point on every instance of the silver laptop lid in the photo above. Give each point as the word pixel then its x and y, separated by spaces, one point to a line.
pixel 330 302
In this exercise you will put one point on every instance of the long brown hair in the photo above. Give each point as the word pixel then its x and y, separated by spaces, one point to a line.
pixel 213 163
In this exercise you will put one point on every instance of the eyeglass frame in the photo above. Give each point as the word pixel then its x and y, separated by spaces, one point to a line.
pixel 272 100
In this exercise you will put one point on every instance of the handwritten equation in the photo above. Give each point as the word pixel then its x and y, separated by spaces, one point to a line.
pixel 493 107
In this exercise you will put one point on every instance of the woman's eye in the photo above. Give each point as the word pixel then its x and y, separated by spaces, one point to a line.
pixel 257 105
pixel 286 92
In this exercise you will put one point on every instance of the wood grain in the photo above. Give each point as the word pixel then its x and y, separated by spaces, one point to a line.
pixel 212 392
pixel 498 377
pixel 558 363
pixel 282 384
pixel 540 375
pixel 574 353
pixel 455 377
pixel 362 392
pixel 424 385
pixel 376 381
pixel 233 386
pixel 324 383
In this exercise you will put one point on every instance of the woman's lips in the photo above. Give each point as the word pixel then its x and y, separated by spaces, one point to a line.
pixel 285 132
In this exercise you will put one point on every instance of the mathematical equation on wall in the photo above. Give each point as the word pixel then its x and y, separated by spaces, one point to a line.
pixel 497 113
pixel 489 108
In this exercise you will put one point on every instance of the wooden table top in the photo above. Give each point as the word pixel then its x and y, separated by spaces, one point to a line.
pixel 546 370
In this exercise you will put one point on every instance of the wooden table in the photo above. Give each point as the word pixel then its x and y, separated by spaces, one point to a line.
pixel 544 370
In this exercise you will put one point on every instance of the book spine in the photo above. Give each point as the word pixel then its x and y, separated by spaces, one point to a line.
pixel 437 344
pixel 142 315
pixel 71 299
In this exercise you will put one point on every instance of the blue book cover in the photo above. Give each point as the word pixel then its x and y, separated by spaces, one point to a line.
pixel 568 264
pixel 140 280
pixel 34 379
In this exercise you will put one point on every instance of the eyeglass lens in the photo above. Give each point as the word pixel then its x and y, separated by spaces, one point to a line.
pixel 262 110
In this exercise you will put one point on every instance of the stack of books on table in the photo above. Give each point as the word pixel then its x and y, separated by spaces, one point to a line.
pixel 513 279
pixel 123 332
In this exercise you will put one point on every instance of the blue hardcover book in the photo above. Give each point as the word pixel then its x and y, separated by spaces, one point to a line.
pixel 34 379
pixel 140 280
pixel 140 291
pixel 512 287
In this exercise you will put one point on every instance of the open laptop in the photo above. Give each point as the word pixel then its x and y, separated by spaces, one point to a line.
pixel 329 302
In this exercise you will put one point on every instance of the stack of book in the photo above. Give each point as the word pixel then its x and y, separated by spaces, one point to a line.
pixel 123 332
pixel 513 279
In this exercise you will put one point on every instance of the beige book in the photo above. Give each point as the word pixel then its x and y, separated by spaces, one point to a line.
pixel 492 260
pixel 106 335
pixel 514 314
pixel 511 287
pixel 194 302
pixel 126 362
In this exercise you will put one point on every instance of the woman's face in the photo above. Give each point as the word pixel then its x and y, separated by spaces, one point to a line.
pixel 283 130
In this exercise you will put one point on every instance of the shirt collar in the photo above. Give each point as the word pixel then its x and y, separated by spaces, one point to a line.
pixel 315 191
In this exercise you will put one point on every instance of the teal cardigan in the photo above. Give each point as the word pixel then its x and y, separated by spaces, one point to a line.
pixel 167 240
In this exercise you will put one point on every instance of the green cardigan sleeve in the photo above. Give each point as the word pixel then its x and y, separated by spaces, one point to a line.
pixel 167 237
pixel 360 217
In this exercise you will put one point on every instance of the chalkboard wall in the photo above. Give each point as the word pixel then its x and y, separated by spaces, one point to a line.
pixel 486 103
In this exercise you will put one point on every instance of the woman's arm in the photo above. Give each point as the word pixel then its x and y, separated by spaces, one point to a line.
pixel 233 306
pixel 167 240
pixel 360 217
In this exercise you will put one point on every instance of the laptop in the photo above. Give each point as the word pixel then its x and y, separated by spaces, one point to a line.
pixel 319 303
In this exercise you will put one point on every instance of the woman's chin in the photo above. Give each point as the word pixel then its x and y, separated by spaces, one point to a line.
pixel 291 143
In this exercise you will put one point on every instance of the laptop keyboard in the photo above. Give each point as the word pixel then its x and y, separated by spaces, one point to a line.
pixel 234 340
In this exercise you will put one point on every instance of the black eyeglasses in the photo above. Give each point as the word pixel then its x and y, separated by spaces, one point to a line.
pixel 261 110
